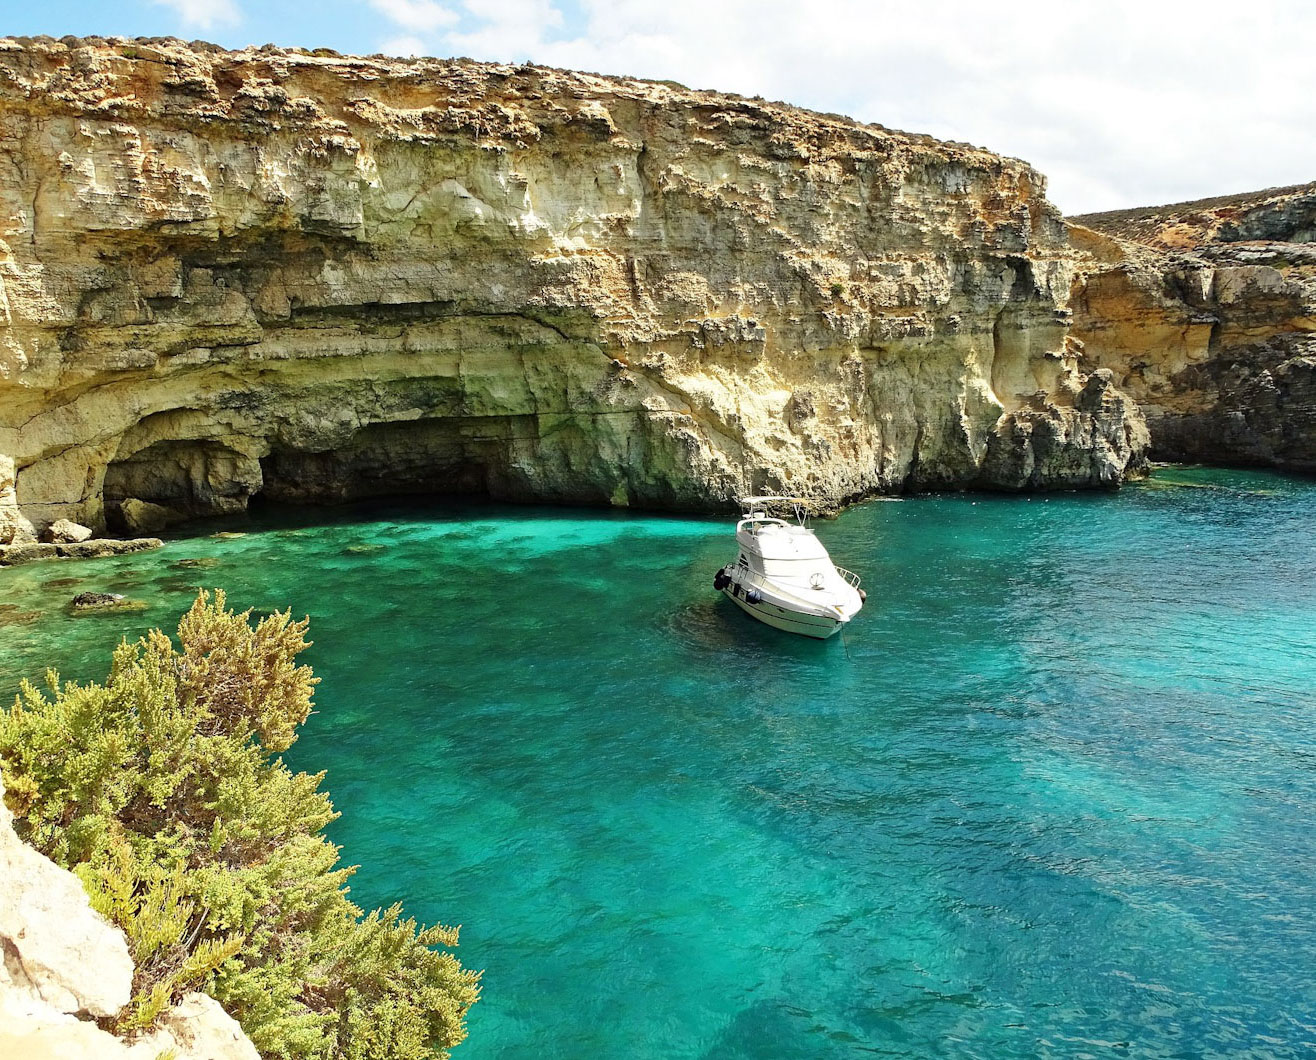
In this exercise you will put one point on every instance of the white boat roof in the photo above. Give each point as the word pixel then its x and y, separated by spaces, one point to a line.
pixel 779 540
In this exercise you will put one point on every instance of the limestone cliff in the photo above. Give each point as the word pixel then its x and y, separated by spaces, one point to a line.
pixel 63 967
pixel 1205 313
pixel 318 277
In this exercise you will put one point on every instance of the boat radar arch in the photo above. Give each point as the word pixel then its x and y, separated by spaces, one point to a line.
pixel 759 507
pixel 769 500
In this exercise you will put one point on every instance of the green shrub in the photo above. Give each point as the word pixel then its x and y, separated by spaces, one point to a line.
pixel 161 789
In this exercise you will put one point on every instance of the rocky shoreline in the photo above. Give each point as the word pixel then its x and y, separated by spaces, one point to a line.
pixel 94 548
pixel 419 283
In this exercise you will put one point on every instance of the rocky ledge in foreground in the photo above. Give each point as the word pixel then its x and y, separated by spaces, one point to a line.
pixel 317 277
pixel 65 968
pixel 1205 313
pixel 29 552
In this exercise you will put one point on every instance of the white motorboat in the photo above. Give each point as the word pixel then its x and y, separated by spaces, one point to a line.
pixel 783 575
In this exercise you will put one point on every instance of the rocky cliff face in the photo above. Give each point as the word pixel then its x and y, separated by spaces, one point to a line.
pixel 63 967
pixel 316 277
pixel 1205 313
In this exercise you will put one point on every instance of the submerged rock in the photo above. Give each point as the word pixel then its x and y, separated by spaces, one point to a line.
pixel 84 602
pixel 97 599
pixel 196 563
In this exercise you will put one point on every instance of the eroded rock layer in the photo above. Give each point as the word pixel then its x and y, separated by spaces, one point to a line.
pixel 315 277
pixel 1205 313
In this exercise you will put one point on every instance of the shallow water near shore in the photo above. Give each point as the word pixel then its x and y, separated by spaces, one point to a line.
pixel 1051 794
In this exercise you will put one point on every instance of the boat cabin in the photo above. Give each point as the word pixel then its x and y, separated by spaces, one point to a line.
pixel 776 548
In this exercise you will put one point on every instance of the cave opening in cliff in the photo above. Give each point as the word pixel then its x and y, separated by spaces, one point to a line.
pixel 452 456
pixel 185 478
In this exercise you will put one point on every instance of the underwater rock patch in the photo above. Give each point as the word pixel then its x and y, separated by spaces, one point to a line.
pixel 88 602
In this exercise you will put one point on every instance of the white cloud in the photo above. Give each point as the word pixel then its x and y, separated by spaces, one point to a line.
pixel 416 16
pixel 204 14
pixel 406 47
pixel 1123 103
pixel 507 30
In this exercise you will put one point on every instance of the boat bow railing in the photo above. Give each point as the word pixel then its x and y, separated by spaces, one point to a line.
pixel 849 575
pixel 750 577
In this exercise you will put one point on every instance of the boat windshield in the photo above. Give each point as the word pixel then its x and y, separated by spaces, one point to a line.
pixel 755 523
pixel 796 567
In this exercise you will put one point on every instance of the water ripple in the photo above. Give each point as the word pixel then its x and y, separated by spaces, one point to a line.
pixel 1050 796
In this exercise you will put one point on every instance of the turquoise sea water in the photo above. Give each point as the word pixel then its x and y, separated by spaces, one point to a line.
pixel 1053 793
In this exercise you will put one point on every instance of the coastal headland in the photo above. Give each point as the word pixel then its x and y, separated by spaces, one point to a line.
pixel 313 277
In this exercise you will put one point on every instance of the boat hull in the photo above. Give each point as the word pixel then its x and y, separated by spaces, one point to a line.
pixel 817 626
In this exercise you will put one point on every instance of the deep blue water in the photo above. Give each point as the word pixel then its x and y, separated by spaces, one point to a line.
pixel 1053 793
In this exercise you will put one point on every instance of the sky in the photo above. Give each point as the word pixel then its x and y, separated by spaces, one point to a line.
pixel 1120 103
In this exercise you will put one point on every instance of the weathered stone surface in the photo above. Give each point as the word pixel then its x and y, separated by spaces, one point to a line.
pixel 107 546
pixel 198 1028
pixel 56 948
pixel 320 277
pixel 64 532
pixel 1093 441
pixel 63 964
pixel 13 555
pixel 143 517
pixel 1206 314
pixel 15 529
pixel 36 1031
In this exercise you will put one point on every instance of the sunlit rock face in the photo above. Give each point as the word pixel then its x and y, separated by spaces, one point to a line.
pixel 316 278
pixel 1205 313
